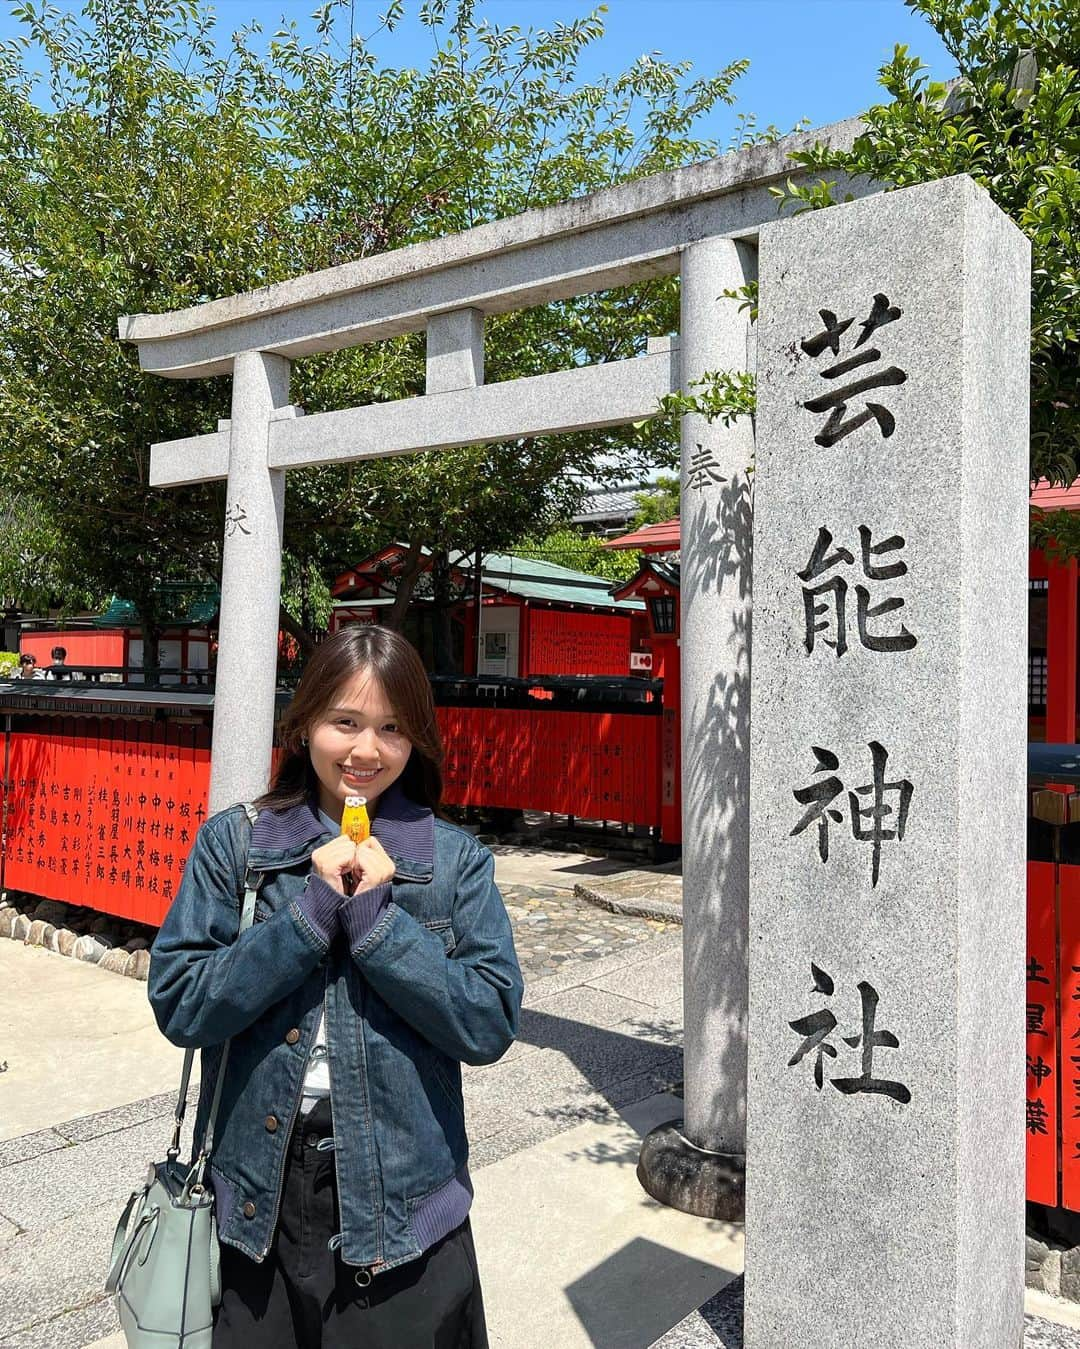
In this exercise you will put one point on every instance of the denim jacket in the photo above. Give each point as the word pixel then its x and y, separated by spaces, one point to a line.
pixel 416 977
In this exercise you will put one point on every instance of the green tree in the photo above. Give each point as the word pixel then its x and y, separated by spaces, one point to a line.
pixel 567 548
pixel 36 569
pixel 1013 123
pixel 143 170
pixel 654 508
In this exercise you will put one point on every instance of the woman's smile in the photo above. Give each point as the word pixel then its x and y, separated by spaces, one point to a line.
pixel 361 775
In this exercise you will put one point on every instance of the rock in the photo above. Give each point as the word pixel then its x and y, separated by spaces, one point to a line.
pixel 53 940
pixel 52 911
pixel 137 944
pixel 104 929
pixel 1051 1273
pixel 672 1170
pixel 116 961
pixel 89 949
pixel 5 902
pixel 7 921
pixel 65 941
pixel 21 929
pixel 40 932
pixel 1036 1254
pixel 1069 1282
pixel 140 965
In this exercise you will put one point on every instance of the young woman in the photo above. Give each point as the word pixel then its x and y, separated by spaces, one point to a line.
pixel 371 972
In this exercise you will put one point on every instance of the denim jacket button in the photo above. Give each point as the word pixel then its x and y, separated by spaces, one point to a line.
pixel 271 1124
pixel 292 1037
pixel 249 1209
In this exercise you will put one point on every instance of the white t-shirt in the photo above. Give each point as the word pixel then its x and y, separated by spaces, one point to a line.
pixel 317 1077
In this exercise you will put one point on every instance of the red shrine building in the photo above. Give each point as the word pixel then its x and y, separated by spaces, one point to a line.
pixel 535 618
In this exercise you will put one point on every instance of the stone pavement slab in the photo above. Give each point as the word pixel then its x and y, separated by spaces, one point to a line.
pixel 718 1323
pixel 584 1063
pixel 655 892
pixel 607 1265
pixel 76 1040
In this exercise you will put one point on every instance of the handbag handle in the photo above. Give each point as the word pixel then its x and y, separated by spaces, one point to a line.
pixel 247 916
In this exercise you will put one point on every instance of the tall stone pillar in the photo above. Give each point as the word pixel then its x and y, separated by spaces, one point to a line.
pixel 250 586
pixel 697 1164
pixel 885 1160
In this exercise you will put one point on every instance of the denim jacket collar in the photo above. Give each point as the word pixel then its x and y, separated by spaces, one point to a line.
pixel 405 829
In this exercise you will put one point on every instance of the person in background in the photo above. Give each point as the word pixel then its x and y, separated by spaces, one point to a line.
pixel 58 670
pixel 28 667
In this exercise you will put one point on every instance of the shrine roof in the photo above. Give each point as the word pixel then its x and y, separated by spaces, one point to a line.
pixel 507 573
pixel 661 538
pixel 1048 498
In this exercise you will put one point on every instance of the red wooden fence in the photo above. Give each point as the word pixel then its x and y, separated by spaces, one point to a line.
pixel 1042 1037
pixel 102 811
pixel 1053 1034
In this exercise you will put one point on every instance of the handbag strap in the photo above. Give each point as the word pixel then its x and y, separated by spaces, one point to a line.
pixel 247 917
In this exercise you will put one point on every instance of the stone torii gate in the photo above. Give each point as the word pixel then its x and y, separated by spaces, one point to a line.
pixel 700 222
pixel 703 223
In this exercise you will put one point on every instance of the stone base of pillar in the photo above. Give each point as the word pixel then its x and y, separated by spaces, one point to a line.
pixel 692 1179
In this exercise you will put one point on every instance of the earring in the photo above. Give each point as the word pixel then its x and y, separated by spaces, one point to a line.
pixel 303 740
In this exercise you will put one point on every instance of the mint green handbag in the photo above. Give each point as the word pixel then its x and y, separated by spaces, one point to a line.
pixel 165 1268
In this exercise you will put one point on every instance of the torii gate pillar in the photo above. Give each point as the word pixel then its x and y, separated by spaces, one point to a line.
pixel 697 1164
pixel 250 586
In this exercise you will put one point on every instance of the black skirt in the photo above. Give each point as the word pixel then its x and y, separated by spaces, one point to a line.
pixel 302 1296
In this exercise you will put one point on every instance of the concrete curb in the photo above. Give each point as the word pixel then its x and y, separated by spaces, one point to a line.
pixel 633 908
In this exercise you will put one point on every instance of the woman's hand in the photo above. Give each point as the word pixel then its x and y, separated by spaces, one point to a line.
pixel 342 861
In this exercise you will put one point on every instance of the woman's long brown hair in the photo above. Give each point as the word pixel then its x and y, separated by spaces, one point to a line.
pixel 394 662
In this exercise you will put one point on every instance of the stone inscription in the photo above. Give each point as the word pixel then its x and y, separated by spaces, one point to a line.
pixel 817 1028
pixel 836 400
pixel 875 821
pixel 703 469
pixel 825 604
pixel 847 602
pixel 235 518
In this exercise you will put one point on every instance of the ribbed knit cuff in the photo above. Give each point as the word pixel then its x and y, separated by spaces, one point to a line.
pixel 320 904
pixel 360 913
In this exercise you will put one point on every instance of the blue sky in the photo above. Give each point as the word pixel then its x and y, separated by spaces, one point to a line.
pixel 809 58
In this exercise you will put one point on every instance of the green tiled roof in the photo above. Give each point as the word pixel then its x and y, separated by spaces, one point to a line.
pixel 183 606
pixel 535 580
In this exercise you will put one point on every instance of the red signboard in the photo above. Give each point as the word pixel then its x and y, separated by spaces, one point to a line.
pixel 1042 1059
pixel 1069 1059
pixel 594 765
pixel 565 642
pixel 103 813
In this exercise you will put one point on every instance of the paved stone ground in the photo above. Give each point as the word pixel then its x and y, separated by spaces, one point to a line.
pixel 552 927
pixel 717 1324
pixel 601 1028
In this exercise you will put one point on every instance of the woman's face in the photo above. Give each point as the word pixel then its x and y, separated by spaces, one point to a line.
pixel 356 748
